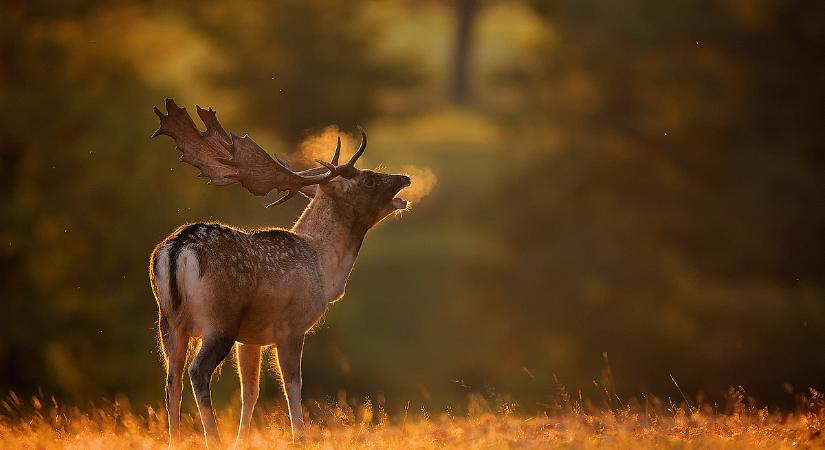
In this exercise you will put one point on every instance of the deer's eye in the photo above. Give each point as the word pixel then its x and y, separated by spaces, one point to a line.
pixel 369 182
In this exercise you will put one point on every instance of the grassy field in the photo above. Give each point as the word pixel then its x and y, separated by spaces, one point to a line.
pixel 570 423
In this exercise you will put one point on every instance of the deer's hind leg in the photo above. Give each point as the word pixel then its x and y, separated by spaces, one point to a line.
pixel 174 344
pixel 249 371
pixel 214 349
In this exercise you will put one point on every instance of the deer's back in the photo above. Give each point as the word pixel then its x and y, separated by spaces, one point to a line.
pixel 243 274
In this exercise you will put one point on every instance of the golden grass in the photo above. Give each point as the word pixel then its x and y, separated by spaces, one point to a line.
pixel 569 424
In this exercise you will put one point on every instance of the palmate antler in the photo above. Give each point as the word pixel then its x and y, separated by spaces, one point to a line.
pixel 227 159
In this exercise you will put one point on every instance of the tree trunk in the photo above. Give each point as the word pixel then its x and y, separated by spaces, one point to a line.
pixel 465 16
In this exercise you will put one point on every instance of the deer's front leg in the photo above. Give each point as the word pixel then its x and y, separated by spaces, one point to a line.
pixel 289 361
pixel 249 370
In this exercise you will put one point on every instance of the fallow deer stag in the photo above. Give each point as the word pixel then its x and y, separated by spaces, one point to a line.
pixel 251 289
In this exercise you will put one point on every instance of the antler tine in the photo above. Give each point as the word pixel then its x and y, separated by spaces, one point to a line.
pixel 337 152
pixel 332 167
pixel 348 170
pixel 329 166
pixel 286 197
pixel 361 148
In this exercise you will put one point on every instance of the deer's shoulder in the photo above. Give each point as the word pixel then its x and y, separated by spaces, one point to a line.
pixel 280 240
pixel 276 235
pixel 280 244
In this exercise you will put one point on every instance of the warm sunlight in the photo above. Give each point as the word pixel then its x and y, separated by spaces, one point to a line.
pixel 523 187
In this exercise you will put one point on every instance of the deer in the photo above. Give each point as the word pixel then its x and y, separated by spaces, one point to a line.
pixel 253 289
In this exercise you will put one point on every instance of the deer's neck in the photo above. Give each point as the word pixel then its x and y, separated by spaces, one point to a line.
pixel 336 232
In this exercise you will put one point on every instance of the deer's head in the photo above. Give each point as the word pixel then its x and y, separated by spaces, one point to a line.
pixel 370 194
pixel 225 158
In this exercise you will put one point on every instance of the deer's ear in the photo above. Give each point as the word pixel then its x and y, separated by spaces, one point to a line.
pixel 309 191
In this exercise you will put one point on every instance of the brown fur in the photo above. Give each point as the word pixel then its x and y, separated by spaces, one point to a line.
pixel 267 287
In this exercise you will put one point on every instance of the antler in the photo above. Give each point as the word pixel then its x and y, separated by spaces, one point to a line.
pixel 227 159
pixel 347 170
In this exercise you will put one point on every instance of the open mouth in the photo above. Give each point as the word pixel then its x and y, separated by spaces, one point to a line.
pixel 400 202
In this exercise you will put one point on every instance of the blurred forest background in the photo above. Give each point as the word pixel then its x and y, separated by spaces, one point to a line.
pixel 633 179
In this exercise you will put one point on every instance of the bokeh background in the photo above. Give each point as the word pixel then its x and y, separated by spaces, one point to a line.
pixel 623 187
